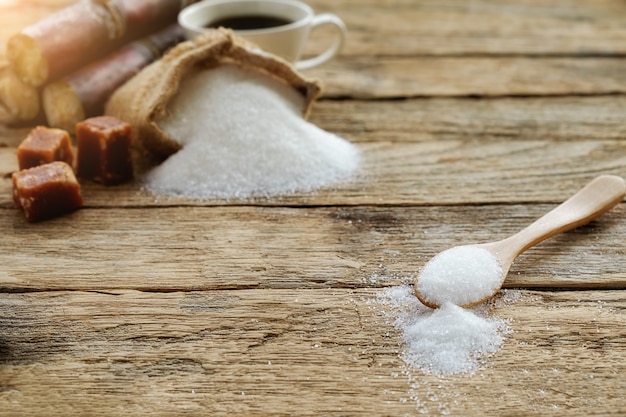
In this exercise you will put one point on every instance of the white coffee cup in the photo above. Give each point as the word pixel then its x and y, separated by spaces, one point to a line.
pixel 287 40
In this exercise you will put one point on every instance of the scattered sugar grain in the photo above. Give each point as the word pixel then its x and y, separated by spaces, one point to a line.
pixel 444 341
pixel 460 275
pixel 451 340
pixel 243 135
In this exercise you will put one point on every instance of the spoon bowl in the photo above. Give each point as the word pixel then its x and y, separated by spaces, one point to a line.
pixel 458 279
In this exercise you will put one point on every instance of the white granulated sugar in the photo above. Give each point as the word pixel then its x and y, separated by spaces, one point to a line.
pixel 450 340
pixel 461 275
pixel 243 135
pixel 444 341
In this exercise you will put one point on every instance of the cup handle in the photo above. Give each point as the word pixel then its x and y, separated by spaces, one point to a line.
pixel 342 32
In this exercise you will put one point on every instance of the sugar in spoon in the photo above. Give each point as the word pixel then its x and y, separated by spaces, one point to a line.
pixel 468 275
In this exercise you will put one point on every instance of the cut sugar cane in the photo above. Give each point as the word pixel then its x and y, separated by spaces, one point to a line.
pixel 19 102
pixel 145 17
pixel 64 40
pixel 83 32
pixel 84 93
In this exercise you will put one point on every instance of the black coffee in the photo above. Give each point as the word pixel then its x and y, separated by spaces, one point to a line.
pixel 247 22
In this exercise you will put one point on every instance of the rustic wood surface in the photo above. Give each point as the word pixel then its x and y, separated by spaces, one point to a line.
pixel 473 119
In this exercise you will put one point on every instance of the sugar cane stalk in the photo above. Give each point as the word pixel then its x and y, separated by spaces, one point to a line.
pixel 82 32
pixel 19 102
pixel 84 93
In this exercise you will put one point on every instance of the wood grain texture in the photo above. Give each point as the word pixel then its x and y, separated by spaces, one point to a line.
pixel 568 118
pixel 473 119
pixel 488 120
pixel 439 151
pixel 196 248
pixel 431 27
pixel 462 172
pixel 484 27
pixel 291 352
pixel 370 77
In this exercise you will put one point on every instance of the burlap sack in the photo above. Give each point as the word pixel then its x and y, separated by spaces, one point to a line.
pixel 143 100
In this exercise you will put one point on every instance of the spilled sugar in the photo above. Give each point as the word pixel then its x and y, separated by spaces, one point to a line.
pixel 461 275
pixel 450 339
pixel 243 135
pixel 444 341
pixel 440 396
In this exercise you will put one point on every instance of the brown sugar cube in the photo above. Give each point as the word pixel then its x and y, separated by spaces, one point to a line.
pixel 104 150
pixel 44 145
pixel 46 191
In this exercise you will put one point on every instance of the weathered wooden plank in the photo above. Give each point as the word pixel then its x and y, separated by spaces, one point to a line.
pixel 567 118
pixel 441 151
pixel 295 352
pixel 361 73
pixel 436 28
pixel 371 77
pixel 266 307
pixel 469 171
pixel 560 118
pixel 431 27
pixel 427 27
pixel 196 248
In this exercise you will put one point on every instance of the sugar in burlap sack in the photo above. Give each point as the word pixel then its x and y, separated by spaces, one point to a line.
pixel 143 100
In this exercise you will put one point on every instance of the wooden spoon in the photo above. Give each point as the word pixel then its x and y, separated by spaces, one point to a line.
pixel 595 199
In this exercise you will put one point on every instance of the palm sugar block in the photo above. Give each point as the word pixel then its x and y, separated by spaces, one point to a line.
pixel 46 191
pixel 44 145
pixel 104 150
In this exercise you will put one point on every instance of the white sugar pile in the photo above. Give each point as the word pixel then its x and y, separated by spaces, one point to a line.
pixel 450 339
pixel 444 341
pixel 243 135
pixel 461 275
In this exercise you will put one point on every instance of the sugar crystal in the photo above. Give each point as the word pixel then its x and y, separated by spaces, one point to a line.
pixel 461 275
pixel 444 341
pixel 450 340
pixel 243 135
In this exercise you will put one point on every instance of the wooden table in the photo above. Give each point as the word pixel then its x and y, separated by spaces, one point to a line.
pixel 474 118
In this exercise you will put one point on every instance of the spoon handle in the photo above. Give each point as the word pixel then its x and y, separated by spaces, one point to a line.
pixel 595 199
